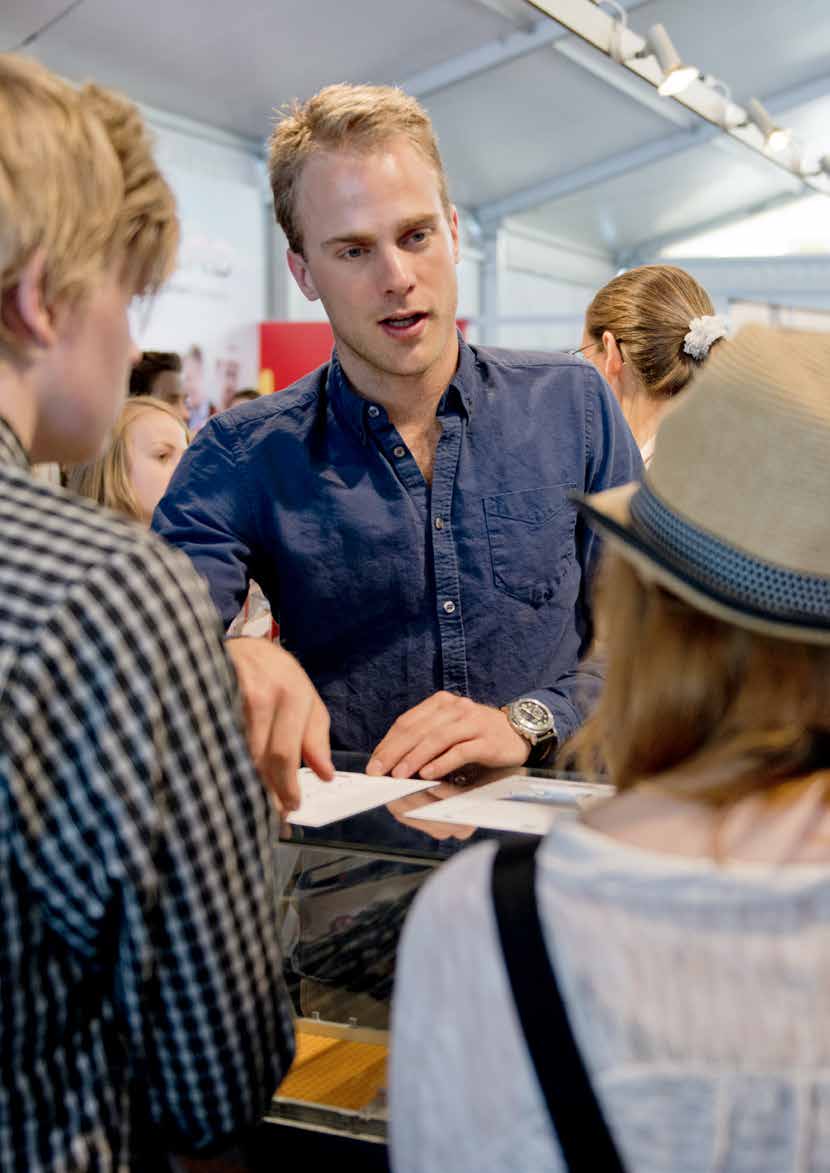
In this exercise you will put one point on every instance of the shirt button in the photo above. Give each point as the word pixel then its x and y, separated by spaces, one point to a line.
pixel 449 606
pixel 439 523
pixel 374 412
pixel 399 451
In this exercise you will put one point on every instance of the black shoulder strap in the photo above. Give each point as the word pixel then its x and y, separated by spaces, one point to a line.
pixel 584 1138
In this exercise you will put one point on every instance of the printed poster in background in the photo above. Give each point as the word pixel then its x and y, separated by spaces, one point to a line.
pixel 210 308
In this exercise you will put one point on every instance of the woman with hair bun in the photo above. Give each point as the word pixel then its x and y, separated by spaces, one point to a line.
pixel 647 332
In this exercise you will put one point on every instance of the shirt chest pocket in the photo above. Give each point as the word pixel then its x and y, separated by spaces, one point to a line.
pixel 531 535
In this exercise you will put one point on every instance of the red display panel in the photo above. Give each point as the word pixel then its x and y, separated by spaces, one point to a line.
pixel 290 350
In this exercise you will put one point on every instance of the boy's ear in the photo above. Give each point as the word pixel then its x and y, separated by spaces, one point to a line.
pixel 23 306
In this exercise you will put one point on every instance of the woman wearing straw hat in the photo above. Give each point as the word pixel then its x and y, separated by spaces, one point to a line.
pixel 649 991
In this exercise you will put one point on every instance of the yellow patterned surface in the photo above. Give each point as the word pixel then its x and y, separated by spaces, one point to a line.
pixel 335 1072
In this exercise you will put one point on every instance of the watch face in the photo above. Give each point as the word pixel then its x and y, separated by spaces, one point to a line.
pixel 533 715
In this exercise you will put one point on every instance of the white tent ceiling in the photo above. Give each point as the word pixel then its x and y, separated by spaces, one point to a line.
pixel 559 137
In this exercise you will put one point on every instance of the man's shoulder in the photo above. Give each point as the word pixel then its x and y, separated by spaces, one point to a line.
pixel 510 359
pixel 290 411
pixel 60 546
pixel 537 369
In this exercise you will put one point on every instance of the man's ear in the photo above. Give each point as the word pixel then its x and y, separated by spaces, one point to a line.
pixel 23 307
pixel 454 231
pixel 302 275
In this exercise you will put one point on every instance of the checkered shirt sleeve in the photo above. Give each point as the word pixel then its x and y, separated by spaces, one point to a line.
pixel 144 835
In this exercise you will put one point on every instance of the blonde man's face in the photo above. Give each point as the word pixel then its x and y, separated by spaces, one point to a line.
pixel 380 253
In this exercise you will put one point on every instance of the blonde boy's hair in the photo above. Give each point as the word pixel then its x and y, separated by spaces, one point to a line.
pixel 107 479
pixel 79 183
pixel 349 118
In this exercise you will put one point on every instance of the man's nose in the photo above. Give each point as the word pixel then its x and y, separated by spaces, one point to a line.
pixel 396 272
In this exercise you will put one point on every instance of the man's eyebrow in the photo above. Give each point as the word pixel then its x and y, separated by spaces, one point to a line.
pixel 348 238
pixel 428 220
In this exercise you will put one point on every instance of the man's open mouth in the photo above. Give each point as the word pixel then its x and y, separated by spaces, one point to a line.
pixel 398 322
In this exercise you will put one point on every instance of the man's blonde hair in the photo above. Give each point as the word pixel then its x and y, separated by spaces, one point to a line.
pixel 343 118
pixel 79 182
pixel 107 479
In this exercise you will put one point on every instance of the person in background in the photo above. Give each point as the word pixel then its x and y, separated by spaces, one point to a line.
pixel 227 378
pixel 141 996
pixel 685 922
pixel 648 331
pixel 193 385
pixel 159 373
pixel 246 395
pixel 132 475
pixel 405 507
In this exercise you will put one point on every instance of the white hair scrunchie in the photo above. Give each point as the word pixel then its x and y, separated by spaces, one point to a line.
pixel 702 333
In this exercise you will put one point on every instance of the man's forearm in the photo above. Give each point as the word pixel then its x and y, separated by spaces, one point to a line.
pixel 572 697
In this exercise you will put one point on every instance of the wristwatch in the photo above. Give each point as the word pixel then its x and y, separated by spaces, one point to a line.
pixel 533 721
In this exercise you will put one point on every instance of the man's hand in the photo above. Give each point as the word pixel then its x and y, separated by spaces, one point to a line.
pixel 286 721
pixel 443 733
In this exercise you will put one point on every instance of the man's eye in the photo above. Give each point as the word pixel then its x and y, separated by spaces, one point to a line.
pixel 419 237
pixel 354 252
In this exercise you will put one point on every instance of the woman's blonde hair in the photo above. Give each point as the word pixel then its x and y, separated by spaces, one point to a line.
pixel 649 311
pixel 706 709
pixel 107 479
pixel 343 117
pixel 78 182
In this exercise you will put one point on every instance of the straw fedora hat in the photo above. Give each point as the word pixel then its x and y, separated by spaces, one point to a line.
pixel 734 514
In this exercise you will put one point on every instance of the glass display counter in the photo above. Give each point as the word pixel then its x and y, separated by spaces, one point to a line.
pixel 346 890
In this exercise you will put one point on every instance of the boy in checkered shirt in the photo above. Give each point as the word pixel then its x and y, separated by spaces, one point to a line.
pixel 142 1006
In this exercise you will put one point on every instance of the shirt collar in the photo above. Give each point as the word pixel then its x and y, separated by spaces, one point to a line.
pixel 352 409
pixel 12 451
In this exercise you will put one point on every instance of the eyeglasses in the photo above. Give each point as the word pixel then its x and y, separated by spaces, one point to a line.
pixel 582 349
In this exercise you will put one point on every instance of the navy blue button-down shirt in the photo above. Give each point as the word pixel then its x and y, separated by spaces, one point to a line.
pixel 387 588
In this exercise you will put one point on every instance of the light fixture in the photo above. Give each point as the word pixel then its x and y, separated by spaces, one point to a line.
pixel 775 138
pixel 731 115
pixel 822 168
pixel 676 76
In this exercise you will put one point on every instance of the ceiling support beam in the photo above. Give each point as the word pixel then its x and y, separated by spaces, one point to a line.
pixel 541 35
pixel 560 186
pixel 480 60
pixel 648 250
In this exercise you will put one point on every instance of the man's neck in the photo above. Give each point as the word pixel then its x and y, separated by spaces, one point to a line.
pixel 410 400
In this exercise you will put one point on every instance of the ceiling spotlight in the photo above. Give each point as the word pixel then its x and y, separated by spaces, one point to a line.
pixel 775 138
pixel 676 76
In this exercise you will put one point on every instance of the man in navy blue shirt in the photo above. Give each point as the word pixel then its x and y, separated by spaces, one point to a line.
pixel 406 507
